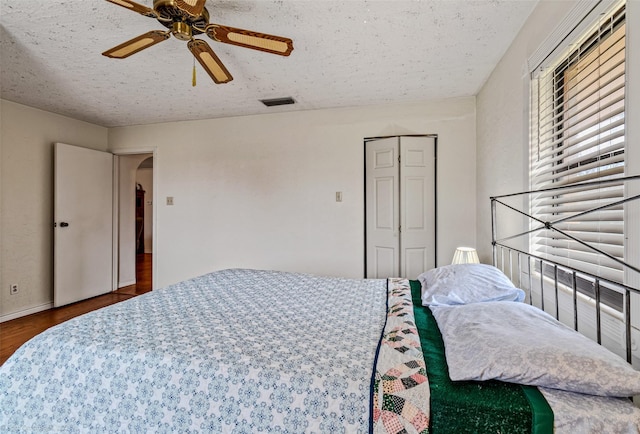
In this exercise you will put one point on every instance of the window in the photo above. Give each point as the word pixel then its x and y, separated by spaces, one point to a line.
pixel 577 135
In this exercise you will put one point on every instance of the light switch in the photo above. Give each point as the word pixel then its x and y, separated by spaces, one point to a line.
pixel 338 196
pixel 169 200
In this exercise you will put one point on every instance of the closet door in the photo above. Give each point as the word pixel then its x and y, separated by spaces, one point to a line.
pixel 400 206
pixel 383 208
pixel 417 205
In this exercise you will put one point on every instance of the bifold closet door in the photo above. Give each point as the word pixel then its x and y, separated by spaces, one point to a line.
pixel 400 206
pixel 417 205
pixel 382 207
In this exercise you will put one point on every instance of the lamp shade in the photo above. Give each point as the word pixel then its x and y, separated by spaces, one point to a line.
pixel 465 255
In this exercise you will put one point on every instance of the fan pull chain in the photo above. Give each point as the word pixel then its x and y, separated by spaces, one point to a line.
pixel 193 78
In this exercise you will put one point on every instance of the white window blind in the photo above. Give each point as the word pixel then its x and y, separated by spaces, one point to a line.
pixel 578 135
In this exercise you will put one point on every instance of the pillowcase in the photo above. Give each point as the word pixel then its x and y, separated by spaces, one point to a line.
pixel 518 343
pixel 466 283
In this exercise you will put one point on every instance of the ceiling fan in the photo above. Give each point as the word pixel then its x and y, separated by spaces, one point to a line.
pixel 187 18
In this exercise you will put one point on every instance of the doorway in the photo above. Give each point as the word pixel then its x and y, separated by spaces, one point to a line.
pixel 144 225
pixel 136 221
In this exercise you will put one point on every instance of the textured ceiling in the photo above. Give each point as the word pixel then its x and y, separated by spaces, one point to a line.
pixel 346 53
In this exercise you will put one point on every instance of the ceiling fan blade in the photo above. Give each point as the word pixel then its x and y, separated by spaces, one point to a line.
pixel 136 44
pixel 191 7
pixel 209 61
pixel 250 39
pixel 136 7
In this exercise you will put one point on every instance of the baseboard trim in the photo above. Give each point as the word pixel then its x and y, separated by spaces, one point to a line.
pixel 25 312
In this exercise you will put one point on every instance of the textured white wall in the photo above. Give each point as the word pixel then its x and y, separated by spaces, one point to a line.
pixel 26 200
pixel 259 191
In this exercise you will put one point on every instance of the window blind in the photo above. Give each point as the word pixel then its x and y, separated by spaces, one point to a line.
pixel 577 135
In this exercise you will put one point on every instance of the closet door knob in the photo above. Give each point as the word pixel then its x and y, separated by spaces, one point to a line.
pixel 64 224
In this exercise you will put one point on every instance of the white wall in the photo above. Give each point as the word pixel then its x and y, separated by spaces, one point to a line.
pixel 26 201
pixel 249 192
pixel 259 191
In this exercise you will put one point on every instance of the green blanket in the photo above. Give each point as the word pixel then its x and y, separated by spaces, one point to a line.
pixel 470 406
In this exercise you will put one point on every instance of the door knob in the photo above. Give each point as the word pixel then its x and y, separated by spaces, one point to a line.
pixel 64 224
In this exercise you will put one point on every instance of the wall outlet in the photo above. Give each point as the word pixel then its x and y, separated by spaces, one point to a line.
pixel 13 288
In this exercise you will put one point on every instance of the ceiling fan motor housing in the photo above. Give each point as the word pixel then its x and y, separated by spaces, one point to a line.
pixel 182 25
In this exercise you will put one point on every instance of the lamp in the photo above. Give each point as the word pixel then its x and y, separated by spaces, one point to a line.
pixel 465 255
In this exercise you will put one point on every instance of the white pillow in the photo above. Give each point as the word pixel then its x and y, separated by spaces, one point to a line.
pixel 518 343
pixel 466 283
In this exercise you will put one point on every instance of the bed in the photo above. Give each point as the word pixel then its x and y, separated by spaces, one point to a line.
pixel 266 351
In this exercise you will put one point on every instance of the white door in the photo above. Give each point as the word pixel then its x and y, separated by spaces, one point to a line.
pixel 83 233
pixel 383 211
pixel 417 211
pixel 400 206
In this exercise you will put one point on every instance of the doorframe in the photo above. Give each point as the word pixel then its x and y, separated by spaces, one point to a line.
pixel 116 210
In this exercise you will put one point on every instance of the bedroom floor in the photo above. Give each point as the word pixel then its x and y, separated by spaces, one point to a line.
pixel 16 332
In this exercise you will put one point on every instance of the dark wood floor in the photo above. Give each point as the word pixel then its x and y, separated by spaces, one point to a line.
pixel 16 332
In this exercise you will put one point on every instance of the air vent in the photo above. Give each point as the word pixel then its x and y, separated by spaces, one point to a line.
pixel 277 101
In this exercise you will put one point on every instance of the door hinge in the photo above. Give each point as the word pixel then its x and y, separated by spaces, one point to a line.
pixel 400 228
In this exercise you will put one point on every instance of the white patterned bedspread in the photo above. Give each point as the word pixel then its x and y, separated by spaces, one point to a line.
pixel 233 351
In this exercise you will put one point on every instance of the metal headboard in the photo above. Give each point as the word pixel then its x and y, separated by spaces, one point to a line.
pixel 500 247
